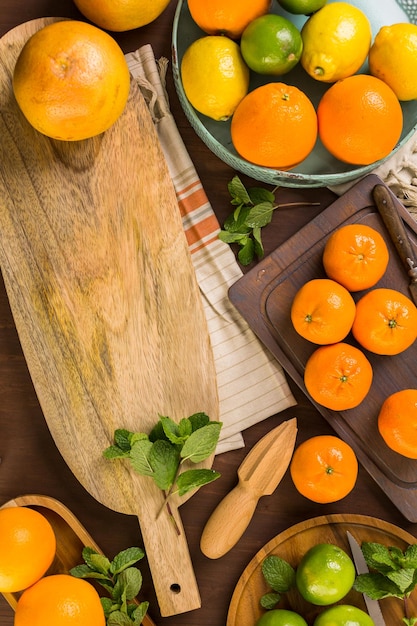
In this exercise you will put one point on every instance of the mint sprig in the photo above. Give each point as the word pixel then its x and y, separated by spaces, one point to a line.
pixel 161 454
pixel 280 576
pixel 122 582
pixel 393 574
pixel 254 210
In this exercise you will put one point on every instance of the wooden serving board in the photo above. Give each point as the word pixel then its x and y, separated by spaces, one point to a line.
pixel 71 539
pixel 264 297
pixel 293 543
pixel 106 304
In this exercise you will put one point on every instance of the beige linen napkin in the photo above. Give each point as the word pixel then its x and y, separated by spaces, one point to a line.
pixel 251 384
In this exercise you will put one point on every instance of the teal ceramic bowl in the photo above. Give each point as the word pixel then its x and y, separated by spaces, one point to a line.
pixel 320 169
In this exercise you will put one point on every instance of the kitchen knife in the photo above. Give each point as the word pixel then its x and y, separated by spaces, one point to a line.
pixel 372 606
pixel 259 475
pixel 395 225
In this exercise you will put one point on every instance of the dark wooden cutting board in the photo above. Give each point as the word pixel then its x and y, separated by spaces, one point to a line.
pixel 264 296
pixel 106 304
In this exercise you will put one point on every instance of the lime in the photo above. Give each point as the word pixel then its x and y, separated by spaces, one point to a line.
pixel 214 76
pixel 271 44
pixel 325 574
pixel 281 617
pixel 336 42
pixel 302 7
pixel 343 615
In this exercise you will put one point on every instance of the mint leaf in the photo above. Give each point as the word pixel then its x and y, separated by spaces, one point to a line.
pixel 246 253
pixel 139 457
pixel 164 459
pixel 125 559
pixel 128 584
pixel 238 191
pixel 201 443
pixel 171 430
pixel 376 586
pixel 198 420
pixel 194 478
pixel 278 574
pixel 257 243
pixel 260 215
pixel 259 194
pixel 270 600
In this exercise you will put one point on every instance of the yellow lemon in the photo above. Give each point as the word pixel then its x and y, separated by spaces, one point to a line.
pixel 393 59
pixel 214 76
pixel 121 15
pixel 336 42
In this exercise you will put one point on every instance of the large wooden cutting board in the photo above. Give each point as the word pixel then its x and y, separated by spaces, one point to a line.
pixel 106 304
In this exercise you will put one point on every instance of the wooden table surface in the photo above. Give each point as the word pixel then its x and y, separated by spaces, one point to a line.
pixel 31 463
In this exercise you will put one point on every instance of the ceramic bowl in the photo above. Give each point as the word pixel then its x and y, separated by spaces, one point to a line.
pixel 319 169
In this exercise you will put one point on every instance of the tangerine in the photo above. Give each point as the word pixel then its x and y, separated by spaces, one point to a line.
pixel 121 15
pixel 385 321
pixel 226 17
pixel 71 80
pixel 324 469
pixel 60 600
pixel 323 311
pixel 356 256
pixel 275 125
pixel 360 119
pixel 397 422
pixel 338 376
pixel 27 547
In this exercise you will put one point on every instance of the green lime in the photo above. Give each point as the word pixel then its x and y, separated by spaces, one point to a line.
pixel 343 615
pixel 271 45
pixel 281 617
pixel 302 7
pixel 325 574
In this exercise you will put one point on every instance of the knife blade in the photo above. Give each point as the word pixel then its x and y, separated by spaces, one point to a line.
pixel 372 606
pixel 259 475
pixel 395 226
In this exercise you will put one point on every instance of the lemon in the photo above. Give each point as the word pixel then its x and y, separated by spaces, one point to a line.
pixel 325 574
pixel 271 45
pixel 393 59
pixel 336 39
pixel 302 7
pixel 214 75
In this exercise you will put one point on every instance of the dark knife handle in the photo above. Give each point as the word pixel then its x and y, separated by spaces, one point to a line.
pixel 395 225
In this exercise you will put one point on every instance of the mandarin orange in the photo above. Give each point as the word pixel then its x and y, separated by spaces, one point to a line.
pixel 71 80
pixel 338 376
pixel 27 547
pixel 360 119
pixel 397 422
pixel 323 311
pixel 324 469
pixel 385 321
pixel 274 125
pixel 226 17
pixel 60 600
pixel 356 256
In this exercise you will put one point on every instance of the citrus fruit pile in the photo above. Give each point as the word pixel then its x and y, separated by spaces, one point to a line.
pixel 383 321
pixel 358 119
pixel 324 576
pixel 27 551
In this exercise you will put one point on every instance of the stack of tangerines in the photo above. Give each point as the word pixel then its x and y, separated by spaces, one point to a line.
pixel 28 549
pixel 359 118
pixel 383 321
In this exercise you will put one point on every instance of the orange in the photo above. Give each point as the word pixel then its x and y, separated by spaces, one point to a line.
pixel 324 469
pixel 121 15
pixel 397 422
pixel 323 311
pixel 71 80
pixel 275 126
pixel 338 376
pixel 356 256
pixel 385 321
pixel 360 119
pixel 60 600
pixel 226 17
pixel 27 547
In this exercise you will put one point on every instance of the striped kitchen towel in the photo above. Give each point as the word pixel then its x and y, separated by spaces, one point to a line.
pixel 251 384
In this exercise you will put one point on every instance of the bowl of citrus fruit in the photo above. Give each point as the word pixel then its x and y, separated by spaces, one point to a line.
pixel 300 93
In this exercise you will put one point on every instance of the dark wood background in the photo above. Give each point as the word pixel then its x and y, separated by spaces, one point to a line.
pixel 31 463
